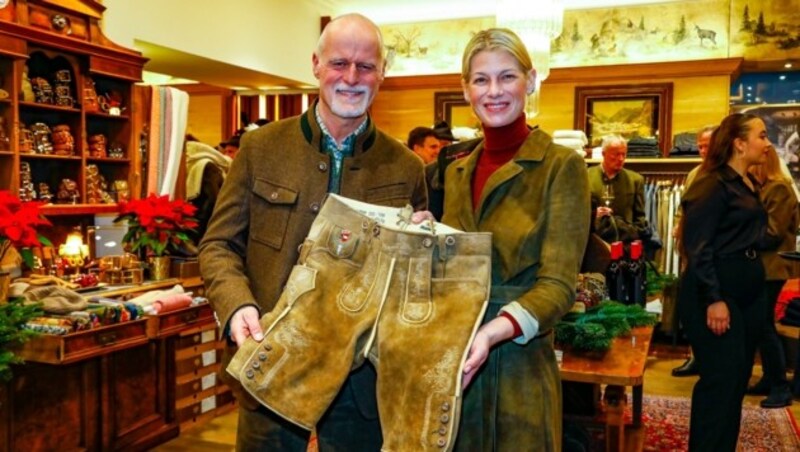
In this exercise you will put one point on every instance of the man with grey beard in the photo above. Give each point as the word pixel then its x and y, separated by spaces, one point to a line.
pixel 276 186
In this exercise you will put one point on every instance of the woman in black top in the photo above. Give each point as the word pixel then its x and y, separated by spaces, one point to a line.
pixel 721 302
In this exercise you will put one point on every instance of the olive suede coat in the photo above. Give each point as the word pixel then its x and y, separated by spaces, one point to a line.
pixel 537 207
pixel 782 220
pixel 273 191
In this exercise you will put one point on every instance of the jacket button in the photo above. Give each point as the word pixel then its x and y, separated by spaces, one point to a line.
pixel 450 240
pixel 442 431
pixel 262 356
pixel 322 167
pixel 249 373
pixel 256 365
pixel 427 242
pixel 267 347
pixel 315 207
pixel 445 419
pixel 273 195
pixel 442 442
pixel 445 406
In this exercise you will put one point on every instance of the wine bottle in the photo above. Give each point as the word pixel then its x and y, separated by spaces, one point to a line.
pixel 636 275
pixel 615 277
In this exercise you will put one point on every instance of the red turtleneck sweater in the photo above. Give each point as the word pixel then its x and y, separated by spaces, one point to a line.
pixel 499 146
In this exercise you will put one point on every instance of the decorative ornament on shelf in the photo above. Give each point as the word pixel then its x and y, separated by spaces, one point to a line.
pixel 18 222
pixel 537 24
pixel 157 224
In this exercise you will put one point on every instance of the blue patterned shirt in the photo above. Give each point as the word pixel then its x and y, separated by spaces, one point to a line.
pixel 336 151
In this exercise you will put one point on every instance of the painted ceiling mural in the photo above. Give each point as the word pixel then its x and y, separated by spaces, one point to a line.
pixel 693 30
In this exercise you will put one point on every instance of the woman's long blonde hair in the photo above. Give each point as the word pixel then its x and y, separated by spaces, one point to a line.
pixel 770 170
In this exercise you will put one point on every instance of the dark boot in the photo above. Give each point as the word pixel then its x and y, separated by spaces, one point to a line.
pixel 761 388
pixel 779 397
pixel 688 368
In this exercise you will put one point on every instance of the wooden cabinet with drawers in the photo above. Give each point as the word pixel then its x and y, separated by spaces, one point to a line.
pixel 129 386
pixel 199 394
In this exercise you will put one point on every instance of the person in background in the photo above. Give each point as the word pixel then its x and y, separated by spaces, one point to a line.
pixel 783 219
pixel 230 147
pixel 721 299
pixel 424 143
pixel 274 189
pixel 619 195
pixel 689 367
pixel 206 169
pixel 524 189
pixel 444 133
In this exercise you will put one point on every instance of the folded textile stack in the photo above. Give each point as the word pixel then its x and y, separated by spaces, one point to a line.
pixel 100 312
pixel 573 139
pixel 643 147
pixel 684 145
pixel 55 299
pixel 171 303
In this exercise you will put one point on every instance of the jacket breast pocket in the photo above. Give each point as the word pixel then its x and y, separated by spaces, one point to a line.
pixel 392 195
pixel 270 213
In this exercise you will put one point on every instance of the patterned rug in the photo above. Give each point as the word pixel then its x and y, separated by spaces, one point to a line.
pixel 666 421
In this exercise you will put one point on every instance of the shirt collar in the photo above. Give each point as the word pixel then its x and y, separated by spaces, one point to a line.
pixel 327 135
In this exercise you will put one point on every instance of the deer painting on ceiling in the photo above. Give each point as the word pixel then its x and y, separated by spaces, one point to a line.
pixel 706 34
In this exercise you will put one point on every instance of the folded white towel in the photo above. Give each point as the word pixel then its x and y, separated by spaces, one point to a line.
pixel 572 143
pixel 577 134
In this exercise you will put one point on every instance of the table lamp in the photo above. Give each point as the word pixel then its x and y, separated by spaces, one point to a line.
pixel 74 251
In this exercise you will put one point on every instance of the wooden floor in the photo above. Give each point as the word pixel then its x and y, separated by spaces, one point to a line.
pixel 220 434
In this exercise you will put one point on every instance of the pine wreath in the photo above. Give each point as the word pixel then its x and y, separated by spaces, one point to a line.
pixel 594 329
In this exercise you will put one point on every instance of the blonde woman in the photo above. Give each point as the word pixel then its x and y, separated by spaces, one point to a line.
pixel 779 200
pixel 529 193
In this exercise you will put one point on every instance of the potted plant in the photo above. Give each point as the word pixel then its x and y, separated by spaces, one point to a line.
pixel 156 226
pixel 18 222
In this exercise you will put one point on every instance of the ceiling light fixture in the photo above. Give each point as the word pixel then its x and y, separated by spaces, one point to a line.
pixel 537 24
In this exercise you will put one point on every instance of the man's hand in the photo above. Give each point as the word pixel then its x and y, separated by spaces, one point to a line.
pixel 244 323
pixel 604 212
pixel 718 318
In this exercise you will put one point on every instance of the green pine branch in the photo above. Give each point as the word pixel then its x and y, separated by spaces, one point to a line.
pixel 13 316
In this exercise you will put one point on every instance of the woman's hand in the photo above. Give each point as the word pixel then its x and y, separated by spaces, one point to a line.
pixel 498 330
pixel 422 215
pixel 718 318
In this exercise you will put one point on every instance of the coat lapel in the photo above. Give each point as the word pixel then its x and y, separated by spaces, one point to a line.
pixel 532 150
pixel 464 169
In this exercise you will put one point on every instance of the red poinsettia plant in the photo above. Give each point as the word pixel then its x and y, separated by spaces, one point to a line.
pixel 157 224
pixel 18 222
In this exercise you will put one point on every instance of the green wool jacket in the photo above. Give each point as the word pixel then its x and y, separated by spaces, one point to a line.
pixel 537 207
pixel 630 221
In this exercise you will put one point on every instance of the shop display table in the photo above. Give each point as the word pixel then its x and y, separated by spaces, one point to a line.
pixel 115 387
pixel 621 366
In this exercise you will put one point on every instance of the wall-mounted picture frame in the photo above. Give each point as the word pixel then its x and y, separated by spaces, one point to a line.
pixel 451 106
pixel 643 111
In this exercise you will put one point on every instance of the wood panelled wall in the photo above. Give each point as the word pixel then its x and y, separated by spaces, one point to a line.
pixel 210 112
pixel 701 94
